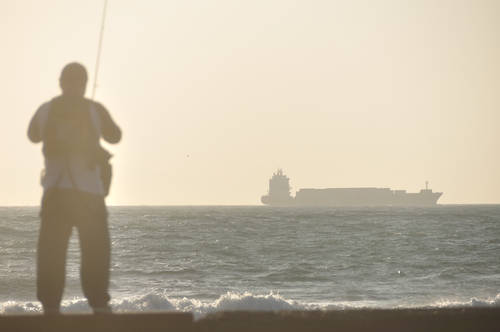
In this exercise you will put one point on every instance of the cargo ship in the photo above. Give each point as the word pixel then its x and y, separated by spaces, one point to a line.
pixel 279 195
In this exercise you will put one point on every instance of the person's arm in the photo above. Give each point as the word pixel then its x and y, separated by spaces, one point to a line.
pixel 111 133
pixel 34 132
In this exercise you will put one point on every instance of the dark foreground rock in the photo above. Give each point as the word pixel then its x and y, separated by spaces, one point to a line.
pixel 471 319
pixel 144 322
pixel 454 319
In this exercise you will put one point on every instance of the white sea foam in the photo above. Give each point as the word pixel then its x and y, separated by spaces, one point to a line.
pixel 473 302
pixel 17 307
pixel 227 302
pixel 161 302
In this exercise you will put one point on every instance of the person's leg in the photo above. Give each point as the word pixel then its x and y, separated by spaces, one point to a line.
pixel 51 255
pixel 95 252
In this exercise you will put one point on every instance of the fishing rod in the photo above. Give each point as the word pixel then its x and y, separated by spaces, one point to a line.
pixel 99 48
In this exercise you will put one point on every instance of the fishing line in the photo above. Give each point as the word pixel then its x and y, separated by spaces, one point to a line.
pixel 99 48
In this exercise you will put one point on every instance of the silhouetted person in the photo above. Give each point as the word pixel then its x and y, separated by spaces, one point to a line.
pixel 70 127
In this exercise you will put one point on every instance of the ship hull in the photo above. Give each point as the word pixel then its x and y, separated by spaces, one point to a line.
pixel 356 197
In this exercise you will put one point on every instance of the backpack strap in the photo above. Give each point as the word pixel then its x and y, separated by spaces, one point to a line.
pixel 95 119
pixel 68 170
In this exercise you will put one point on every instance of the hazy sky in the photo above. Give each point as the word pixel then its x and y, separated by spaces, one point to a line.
pixel 213 96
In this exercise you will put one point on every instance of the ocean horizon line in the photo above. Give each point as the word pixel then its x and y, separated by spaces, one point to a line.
pixel 262 205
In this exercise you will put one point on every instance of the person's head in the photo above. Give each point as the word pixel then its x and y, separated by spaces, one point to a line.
pixel 73 80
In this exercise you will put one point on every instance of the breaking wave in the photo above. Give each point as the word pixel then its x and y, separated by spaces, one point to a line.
pixel 227 302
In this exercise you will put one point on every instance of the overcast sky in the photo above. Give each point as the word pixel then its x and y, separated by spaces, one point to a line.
pixel 213 96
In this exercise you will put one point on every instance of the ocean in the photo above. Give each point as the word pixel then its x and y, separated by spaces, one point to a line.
pixel 203 259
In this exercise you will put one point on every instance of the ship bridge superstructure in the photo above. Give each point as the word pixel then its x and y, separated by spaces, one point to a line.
pixel 279 190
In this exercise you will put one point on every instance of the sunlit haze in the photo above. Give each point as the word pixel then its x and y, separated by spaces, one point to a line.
pixel 214 96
